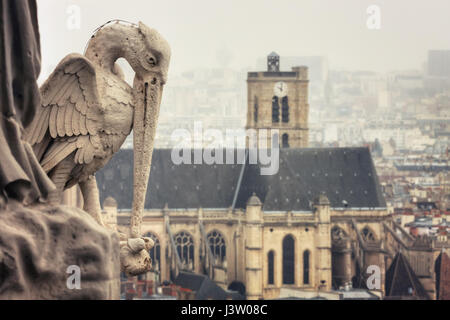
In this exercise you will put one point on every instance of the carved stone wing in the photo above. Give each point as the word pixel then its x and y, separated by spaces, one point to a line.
pixel 70 114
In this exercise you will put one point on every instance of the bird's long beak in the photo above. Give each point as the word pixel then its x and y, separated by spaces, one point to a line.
pixel 148 92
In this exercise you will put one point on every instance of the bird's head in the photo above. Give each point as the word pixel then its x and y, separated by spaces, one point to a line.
pixel 151 55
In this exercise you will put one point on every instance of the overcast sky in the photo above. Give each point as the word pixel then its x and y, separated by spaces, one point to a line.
pixel 248 29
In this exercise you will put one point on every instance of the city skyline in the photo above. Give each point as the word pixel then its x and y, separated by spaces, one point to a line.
pixel 202 36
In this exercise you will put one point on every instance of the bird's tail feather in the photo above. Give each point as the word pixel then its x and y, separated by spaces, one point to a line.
pixel 60 175
pixel 57 152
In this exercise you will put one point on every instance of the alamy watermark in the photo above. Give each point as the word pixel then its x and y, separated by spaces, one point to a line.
pixel 374 17
pixel 73 21
pixel 74 280
pixel 261 145
pixel 374 280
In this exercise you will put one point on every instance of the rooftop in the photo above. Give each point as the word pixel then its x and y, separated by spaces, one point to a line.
pixel 346 176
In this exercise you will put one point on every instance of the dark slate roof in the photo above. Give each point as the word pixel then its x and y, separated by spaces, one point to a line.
pixel 342 174
pixel 203 287
pixel 402 282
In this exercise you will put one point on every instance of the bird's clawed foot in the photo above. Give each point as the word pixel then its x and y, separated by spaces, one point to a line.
pixel 134 255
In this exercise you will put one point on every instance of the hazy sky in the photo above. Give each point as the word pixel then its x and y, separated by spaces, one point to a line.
pixel 248 29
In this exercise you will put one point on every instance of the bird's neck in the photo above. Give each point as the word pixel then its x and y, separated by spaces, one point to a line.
pixel 111 43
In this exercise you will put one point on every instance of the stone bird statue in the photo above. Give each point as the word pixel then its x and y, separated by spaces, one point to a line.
pixel 87 111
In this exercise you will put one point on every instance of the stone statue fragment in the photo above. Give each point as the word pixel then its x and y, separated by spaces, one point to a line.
pixel 88 110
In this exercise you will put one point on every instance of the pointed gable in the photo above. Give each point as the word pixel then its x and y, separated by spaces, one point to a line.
pixel 402 282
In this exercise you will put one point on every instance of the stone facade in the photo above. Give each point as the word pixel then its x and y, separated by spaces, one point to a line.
pixel 250 235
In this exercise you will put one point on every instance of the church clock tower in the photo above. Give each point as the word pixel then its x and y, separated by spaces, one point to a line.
pixel 279 100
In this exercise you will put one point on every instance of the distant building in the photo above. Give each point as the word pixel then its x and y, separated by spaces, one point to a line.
pixel 279 100
pixel 315 225
pixel 438 71
pixel 439 63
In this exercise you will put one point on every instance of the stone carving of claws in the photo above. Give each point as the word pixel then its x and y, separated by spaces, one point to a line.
pixel 136 244
pixel 134 263
pixel 149 243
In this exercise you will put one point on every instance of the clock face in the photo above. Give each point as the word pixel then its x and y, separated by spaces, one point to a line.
pixel 280 89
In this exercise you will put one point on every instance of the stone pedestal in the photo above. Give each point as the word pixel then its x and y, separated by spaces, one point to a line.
pixel 43 250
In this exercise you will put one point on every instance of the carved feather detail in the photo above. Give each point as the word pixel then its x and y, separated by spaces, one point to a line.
pixel 70 108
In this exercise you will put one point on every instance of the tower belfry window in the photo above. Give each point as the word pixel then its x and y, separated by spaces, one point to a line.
pixel 255 110
pixel 285 140
pixel 275 110
pixel 285 109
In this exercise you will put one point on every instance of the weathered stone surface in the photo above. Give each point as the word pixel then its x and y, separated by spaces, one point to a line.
pixel 39 243
pixel 21 176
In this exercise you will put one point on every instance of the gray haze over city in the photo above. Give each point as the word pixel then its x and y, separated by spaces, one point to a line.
pixel 364 82
pixel 199 29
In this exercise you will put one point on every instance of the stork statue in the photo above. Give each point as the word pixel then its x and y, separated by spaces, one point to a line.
pixel 88 110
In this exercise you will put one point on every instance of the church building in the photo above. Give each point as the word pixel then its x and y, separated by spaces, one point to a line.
pixel 316 225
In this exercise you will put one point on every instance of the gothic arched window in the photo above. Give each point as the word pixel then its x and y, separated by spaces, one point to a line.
pixel 306 255
pixel 270 267
pixel 368 234
pixel 185 248
pixel 338 234
pixel 275 110
pixel 285 140
pixel 155 252
pixel 288 260
pixel 285 109
pixel 217 245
